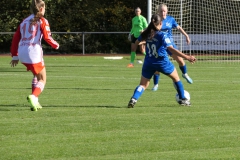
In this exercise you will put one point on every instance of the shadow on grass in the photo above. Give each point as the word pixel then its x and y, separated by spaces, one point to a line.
pixel 17 107
pixel 82 106
pixel 159 106
pixel 13 107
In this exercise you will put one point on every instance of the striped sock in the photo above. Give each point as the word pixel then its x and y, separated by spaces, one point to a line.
pixel 38 89
pixel 34 82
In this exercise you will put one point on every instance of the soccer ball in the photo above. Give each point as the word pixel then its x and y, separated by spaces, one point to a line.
pixel 186 94
pixel 139 62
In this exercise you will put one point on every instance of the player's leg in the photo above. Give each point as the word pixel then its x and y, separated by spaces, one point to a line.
pixel 144 83
pixel 183 68
pixel 133 52
pixel 147 73
pixel 179 87
pixel 40 73
pixel 156 78
pixel 34 84
pixel 42 78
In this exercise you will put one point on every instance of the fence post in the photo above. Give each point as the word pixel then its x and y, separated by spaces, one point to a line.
pixel 83 45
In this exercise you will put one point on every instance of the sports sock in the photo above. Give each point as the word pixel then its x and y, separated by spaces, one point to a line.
pixel 138 92
pixel 38 89
pixel 179 87
pixel 34 82
pixel 156 78
pixel 183 69
pixel 133 55
pixel 144 53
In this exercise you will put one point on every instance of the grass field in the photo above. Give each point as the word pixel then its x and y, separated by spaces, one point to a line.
pixel 85 114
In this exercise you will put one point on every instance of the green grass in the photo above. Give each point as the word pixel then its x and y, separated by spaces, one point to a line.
pixel 84 113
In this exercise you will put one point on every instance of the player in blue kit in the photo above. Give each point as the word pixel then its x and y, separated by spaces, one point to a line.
pixel 169 23
pixel 156 59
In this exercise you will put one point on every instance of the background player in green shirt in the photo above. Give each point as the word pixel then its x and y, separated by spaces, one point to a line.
pixel 139 23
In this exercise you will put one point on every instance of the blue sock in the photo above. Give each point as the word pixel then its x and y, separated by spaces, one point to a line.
pixel 138 92
pixel 156 78
pixel 179 87
pixel 183 69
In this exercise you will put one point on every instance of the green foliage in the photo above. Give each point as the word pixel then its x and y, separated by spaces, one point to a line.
pixel 76 16
pixel 84 115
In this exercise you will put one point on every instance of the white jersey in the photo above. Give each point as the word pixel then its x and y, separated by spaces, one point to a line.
pixel 29 49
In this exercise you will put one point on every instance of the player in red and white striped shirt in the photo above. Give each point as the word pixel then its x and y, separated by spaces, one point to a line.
pixel 26 47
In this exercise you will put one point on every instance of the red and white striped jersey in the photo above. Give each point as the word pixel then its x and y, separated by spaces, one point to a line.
pixel 26 43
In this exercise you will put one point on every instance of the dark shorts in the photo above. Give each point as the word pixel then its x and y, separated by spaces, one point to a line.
pixel 133 39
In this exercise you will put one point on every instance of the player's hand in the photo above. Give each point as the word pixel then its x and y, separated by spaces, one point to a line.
pixel 130 37
pixel 14 63
pixel 192 59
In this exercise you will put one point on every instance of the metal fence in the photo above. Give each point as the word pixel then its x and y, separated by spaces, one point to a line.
pixel 59 36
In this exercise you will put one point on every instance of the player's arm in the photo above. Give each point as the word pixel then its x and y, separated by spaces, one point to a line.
pixel 47 36
pixel 15 42
pixel 132 29
pixel 191 59
pixel 130 33
pixel 14 47
pixel 180 29
pixel 168 44
pixel 145 24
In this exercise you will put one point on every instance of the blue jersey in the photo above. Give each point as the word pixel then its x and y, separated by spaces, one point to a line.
pixel 156 58
pixel 168 24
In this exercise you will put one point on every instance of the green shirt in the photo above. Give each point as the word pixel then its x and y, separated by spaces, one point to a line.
pixel 139 23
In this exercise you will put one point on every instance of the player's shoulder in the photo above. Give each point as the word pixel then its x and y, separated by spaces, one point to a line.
pixel 162 35
pixel 170 17
pixel 28 18
pixel 134 18
pixel 142 17
pixel 44 20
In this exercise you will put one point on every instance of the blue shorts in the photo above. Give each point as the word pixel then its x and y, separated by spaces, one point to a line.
pixel 164 66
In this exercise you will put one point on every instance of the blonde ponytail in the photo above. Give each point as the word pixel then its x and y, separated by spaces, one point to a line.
pixel 35 9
